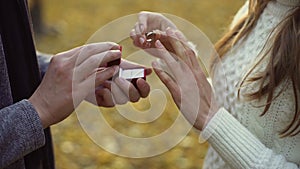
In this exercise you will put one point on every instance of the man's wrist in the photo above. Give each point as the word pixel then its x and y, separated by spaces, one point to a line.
pixel 38 106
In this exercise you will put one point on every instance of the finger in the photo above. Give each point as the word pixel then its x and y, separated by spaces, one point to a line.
pixel 140 32
pixel 101 59
pixel 98 78
pixel 143 87
pixel 105 74
pixel 132 34
pixel 107 84
pixel 118 96
pixel 189 49
pixel 190 54
pixel 134 37
pixel 178 46
pixel 92 49
pixel 139 40
pixel 142 19
pixel 104 97
pixel 128 89
pixel 168 81
pixel 180 36
pixel 89 65
pixel 163 54
pixel 93 82
pixel 148 71
pixel 126 64
pixel 195 65
pixel 137 29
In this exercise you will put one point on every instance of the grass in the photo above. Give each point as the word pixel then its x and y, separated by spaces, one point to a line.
pixel 76 21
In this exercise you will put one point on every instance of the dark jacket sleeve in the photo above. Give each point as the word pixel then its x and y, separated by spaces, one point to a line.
pixel 21 132
pixel 43 60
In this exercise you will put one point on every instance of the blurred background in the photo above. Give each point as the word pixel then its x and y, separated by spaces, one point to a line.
pixel 60 25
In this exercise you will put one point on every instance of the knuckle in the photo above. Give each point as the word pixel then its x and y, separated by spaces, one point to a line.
pixel 190 52
pixel 60 72
pixel 61 68
pixel 55 59
pixel 58 64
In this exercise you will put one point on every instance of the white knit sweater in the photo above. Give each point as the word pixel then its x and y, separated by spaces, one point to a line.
pixel 238 136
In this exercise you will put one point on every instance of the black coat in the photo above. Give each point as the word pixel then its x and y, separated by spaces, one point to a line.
pixel 23 69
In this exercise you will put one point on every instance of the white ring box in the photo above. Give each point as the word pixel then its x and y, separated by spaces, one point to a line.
pixel 132 74
pixel 129 74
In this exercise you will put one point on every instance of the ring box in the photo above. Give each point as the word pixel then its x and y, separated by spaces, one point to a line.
pixel 132 75
pixel 115 62
pixel 129 74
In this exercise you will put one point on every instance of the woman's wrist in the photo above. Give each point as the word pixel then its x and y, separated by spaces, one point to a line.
pixel 212 111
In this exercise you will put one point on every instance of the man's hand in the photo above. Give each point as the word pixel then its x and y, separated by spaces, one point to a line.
pixel 73 74
pixel 120 91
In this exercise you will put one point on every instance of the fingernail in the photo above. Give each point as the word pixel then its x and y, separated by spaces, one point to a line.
pixel 155 65
pixel 121 48
pixel 141 28
pixel 141 40
pixel 159 45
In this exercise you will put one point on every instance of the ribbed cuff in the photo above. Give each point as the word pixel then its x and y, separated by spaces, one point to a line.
pixel 237 146
pixel 35 135
pixel 21 132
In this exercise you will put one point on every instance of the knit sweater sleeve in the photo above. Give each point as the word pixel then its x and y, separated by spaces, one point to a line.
pixel 239 147
pixel 21 132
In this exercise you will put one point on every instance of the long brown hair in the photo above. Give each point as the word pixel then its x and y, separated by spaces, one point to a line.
pixel 284 61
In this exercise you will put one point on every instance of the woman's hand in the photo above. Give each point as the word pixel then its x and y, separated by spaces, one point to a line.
pixel 120 91
pixel 189 87
pixel 149 21
pixel 73 74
